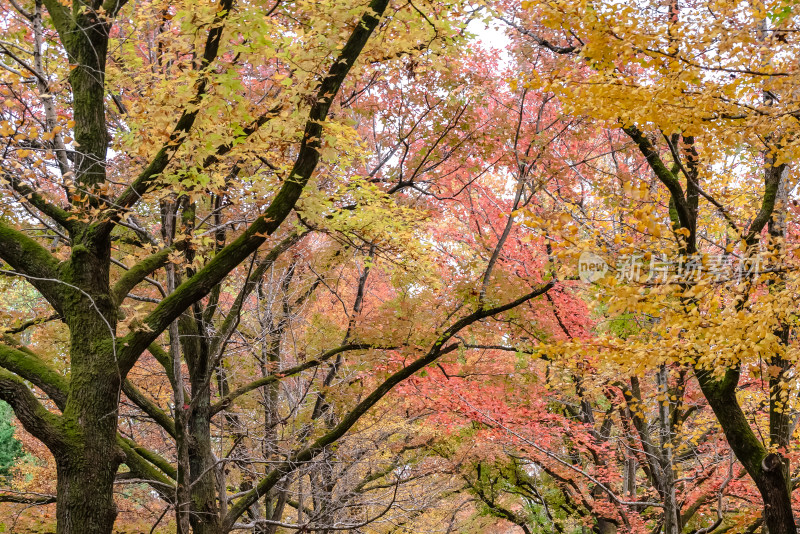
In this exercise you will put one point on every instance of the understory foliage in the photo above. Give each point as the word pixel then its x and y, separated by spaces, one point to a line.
pixel 10 446
pixel 323 266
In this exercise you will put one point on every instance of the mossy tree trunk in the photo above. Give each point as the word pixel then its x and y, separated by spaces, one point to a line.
pixel 88 459
pixel 83 438
pixel 766 469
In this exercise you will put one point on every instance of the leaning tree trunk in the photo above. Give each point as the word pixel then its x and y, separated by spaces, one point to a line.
pixel 766 469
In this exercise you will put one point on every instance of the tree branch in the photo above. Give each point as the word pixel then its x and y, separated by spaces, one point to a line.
pixel 772 180
pixel 228 399
pixel 28 365
pixel 152 457
pixel 149 407
pixel 37 420
pixel 438 350
pixel 139 272
pixel 563 50
pixel 231 320
pixel 663 174
pixel 61 216
pixel 28 324
pixel 232 255
pixel 691 178
pixel 26 497
pixel 144 470
pixel 139 187
pixel 30 258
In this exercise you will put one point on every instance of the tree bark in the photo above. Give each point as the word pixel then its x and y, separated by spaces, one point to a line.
pixel 88 461
pixel 766 469
pixel 85 491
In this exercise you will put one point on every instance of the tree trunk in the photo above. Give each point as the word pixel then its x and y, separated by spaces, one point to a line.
pixel 765 469
pixel 772 485
pixel 672 521
pixel 85 502
pixel 205 517
pixel 88 462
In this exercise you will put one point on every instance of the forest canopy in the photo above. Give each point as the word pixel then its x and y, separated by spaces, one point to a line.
pixel 399 266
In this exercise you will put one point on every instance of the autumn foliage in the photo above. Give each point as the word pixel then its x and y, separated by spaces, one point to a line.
pixel 323 266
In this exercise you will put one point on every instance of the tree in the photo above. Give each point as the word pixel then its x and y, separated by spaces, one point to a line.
pixel 685 93
pixel 86 208
pixel 351 249
pixel 237 216
pixel 100 214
